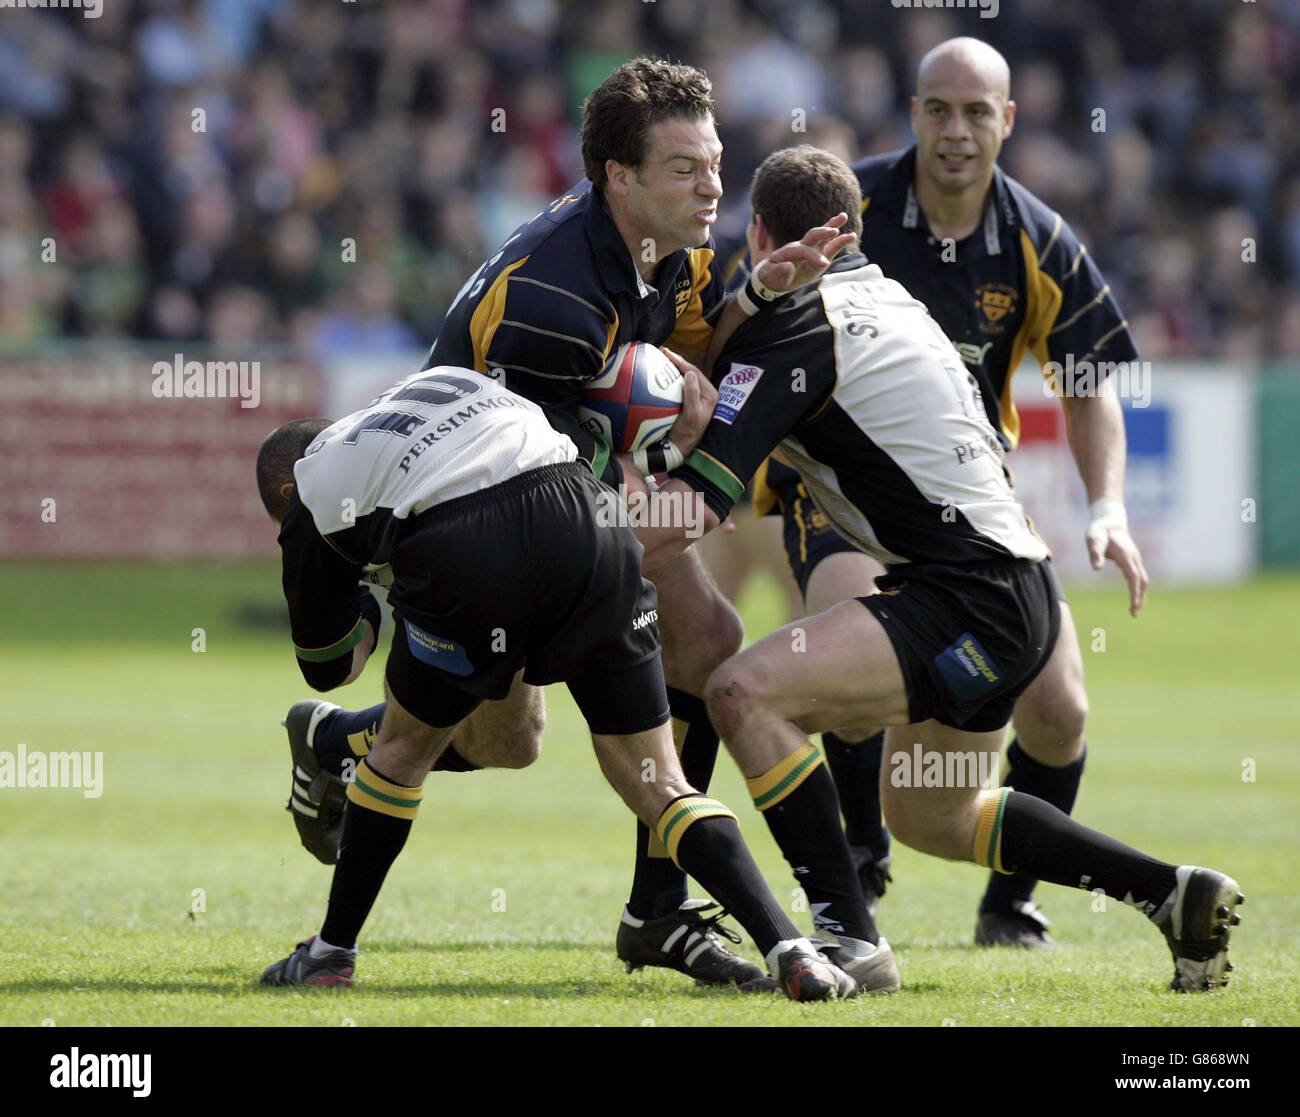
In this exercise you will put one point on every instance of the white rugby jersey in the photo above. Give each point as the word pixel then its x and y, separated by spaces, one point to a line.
pixel 435 436
pixel 869 400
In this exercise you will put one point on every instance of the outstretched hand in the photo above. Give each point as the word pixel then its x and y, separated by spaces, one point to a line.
pixel 1112 541
pixel 801 261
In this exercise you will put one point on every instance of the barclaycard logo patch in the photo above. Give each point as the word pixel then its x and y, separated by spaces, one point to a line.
pixel 967 668
pixel 436 651
pixel 734 390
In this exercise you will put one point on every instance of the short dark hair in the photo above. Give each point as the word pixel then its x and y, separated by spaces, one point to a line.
pixel 799 188
pixel 275 459
pixel 617 117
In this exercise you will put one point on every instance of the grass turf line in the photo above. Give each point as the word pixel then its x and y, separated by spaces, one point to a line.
pixel 99 926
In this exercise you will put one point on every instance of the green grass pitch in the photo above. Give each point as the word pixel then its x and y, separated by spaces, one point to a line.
pixel 160 902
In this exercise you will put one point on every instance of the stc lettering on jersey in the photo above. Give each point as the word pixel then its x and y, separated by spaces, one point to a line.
pixel 734 390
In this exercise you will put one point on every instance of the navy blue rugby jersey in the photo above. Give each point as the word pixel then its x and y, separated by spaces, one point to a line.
pixel 547 311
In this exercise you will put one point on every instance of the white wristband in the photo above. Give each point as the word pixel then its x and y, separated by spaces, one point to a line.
pixel 660 457
pixel 762 290
pixel 1107 515
pixel 1110 511
pixel 755 289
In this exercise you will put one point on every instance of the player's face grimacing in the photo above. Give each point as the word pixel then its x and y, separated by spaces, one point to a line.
pixel 673 196
pixel 960 115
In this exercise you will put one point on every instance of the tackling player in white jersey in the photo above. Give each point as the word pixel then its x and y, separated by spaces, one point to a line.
pixel 501 562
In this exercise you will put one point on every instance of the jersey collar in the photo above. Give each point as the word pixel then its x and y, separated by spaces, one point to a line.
pixel 618 272
pixel 895 194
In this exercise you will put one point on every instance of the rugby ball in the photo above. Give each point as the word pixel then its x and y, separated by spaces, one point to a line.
pixel 635 400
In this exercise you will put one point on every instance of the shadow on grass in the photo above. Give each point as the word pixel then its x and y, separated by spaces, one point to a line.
pixel 531 946
pixel 615 985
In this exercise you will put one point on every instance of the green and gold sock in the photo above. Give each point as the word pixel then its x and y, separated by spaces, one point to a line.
pixel 376 823
pixel 1017 833
pixel 703 837
pixel 798 802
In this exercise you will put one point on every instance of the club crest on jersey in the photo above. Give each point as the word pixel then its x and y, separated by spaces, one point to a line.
pixel 682 294
pixel 996 300
pixel 734 390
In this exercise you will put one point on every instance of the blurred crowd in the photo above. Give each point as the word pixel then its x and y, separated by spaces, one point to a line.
pixel 325 174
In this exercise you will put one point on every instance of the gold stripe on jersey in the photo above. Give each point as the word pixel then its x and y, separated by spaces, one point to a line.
pixel 737 258
pixel 553 333
pixel 1078 259
pixel 765 498
pixel 560 291
pixel 1100 298
pixel 1042 304
pixel 692 333
pixel 803 530
pixel 485 320
pixel 1056 232
pixel 610 337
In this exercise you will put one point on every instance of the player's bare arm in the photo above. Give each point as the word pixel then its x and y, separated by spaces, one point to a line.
pixel 361 653
pixel 1095 427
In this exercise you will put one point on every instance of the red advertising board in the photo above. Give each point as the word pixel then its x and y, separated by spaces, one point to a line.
pixel 140 453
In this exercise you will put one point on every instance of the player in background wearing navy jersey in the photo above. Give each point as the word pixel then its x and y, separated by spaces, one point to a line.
pixel 1002 274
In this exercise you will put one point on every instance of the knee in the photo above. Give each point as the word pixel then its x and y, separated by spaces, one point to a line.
pixel 946 834
pixel 521 744
pixel 715 637
pixel 730 692
pixel 1056 726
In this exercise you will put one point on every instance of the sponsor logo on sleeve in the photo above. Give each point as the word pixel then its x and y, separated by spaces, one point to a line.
pixel 734 390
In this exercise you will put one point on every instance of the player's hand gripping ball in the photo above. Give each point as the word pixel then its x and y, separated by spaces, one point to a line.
pixel 635 400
